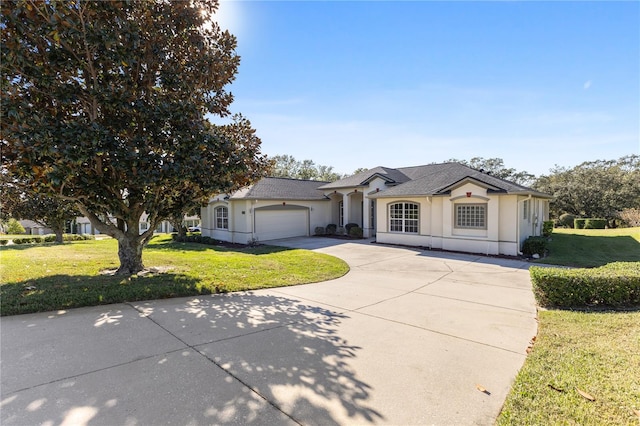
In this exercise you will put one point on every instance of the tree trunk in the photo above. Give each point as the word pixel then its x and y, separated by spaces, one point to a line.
pixel 130 254
pixel 177 227
pixel 59 237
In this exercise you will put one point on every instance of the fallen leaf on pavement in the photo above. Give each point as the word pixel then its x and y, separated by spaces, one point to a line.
pixel 482 389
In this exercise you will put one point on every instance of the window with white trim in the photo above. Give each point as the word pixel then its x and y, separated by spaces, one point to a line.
pixel 403 217
pixel 341 213
pixel 222 218
pixel 471 216
pixel 525 209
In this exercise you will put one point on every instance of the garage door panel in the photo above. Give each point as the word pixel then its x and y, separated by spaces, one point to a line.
pixel 276 224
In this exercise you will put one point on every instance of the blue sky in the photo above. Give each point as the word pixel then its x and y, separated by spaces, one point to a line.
pixel 362 84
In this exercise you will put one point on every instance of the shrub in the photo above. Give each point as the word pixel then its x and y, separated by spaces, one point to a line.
pixel 49 238
pixel 595 223
pixel 348 227
pixel 578 223
pixel 613 285
pixel 340 231
pixel 319 230
pixel 534 245
pixel 28 240
pixel 355 231
pixel 547 228
pixel 77 237
pixel 331 229
pixel 566 220
pixel 4 242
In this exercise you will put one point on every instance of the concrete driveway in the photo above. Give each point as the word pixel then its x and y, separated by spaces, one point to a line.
pixel 406 337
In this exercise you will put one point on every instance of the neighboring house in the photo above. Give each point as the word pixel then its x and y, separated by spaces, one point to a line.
pixel 442 206
pixel 84 226
pixel 34 228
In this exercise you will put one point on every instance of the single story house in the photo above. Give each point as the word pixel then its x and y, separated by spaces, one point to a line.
pixel 84 226
pixel 445 206
pixel 34 228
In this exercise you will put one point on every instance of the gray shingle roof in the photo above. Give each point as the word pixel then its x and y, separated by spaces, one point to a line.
pixel 272 188
pixel 360 179
pixel 435 179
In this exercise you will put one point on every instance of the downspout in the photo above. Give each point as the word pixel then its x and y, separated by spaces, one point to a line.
pixel 429 200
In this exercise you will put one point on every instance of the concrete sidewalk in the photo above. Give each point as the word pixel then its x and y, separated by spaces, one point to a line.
pixel 404 338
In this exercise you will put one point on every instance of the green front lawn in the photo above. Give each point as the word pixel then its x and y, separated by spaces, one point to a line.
pixel 593 247
pixel 52 277
pixel 597 353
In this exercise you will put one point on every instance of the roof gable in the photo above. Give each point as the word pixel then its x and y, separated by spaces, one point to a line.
pixel 391 176
pixel 436 179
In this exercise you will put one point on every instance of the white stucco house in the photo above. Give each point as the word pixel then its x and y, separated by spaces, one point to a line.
pixel 445 206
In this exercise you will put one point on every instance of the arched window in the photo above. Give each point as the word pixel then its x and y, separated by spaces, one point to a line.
pixel 403 217
pixel 221 218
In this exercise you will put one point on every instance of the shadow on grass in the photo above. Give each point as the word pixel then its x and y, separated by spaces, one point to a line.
pixel 73 291
pixel 256 250
pixel 591 251
pixel 249 359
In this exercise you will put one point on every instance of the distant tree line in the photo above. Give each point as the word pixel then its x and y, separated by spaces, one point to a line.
pixel 606 189
pixel 288 167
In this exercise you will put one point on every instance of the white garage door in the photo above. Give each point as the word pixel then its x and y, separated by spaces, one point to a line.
pixel 275 224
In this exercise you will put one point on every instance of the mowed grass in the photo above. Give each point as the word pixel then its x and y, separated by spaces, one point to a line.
pixel 593 247
pixel 597 353
pixel 38 278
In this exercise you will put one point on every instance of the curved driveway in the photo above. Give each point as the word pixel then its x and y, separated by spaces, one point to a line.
pixel 406 337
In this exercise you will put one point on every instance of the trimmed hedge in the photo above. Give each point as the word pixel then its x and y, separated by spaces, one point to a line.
pixel 547 228
pixel 319 230
pixel 28 240
pixel 4 242
pixel 331 229
pixel 613 285
pixel 595 223
pixel 589 223
pixel 52 238
pixel 534 245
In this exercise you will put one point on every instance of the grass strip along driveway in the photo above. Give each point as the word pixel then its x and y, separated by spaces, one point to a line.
pixel 584 365
pixel 37 278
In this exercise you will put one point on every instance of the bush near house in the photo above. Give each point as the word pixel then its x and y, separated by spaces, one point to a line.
pixel 319 230
pixel 355 232
pixel 613 285
pixel 534 245
pixel 348 227
pixel 331 229
pixel 547 228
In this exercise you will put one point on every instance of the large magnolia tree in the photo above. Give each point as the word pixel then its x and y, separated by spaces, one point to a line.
pixel 104 104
